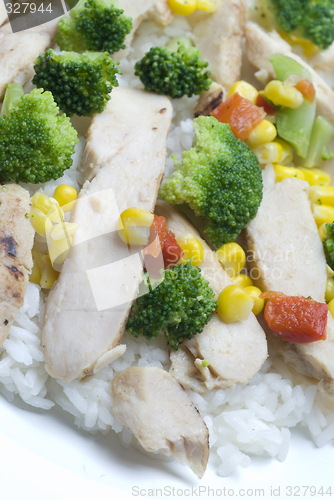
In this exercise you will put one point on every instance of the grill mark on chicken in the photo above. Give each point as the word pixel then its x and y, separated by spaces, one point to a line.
pixel 16 241
pixel 209 100
pixel 211 106
pixel 17 274
pixel 9 245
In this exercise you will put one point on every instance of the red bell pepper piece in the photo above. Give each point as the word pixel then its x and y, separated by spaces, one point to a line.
pixel 296 319
pixel 241 114
pixel 261 102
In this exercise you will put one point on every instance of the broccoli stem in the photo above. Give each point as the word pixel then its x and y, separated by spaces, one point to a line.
pixel 321 137
pixel 175 43
pixel 13 94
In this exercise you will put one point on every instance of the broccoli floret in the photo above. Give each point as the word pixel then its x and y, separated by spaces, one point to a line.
pixel 93 25
pixel 313 19
pixel 318 22
pixel 179 307
pixel 80 83
pixel 35 143
pixel 288 13
pixel 219 178
pixel 328 243
pixel 173 73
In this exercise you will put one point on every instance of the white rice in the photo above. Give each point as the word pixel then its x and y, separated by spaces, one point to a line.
pixel 252 419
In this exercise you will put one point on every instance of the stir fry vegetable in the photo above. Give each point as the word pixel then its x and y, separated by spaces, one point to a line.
pixel 296 319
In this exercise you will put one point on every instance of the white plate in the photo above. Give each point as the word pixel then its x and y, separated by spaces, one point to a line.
pixel 43 456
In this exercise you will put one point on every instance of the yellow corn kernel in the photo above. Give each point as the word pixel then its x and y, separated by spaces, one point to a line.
pixel 270 152
pixel 49 275
pixel 38 220
pixel 323 195
pixel 208 5
pixel 134 226
pixel 35 275
pixel 182 7
pixel 309 48
pixel 315 176
pixel 232 257
pixel 287 155
pixel 65 195
pixel 242 280
pixel 282 172
pixel 262 133
pixel 322 231
pixel 192 248
pixel 329 293
pixel 42 202
pixel 322 213
pixel 244 89
pixel 59 250
pixel 234 304
pixel 255 292
pixel 331 307
pixel 283 95
pixel 63 230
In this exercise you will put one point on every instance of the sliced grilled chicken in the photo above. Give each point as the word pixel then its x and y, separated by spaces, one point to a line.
pixel 219 37
pixel 124 162
pixel 262 45
pixel 209 100
pixel 235 351
pixel 287 254
pixel 16 242
pixel 139 11
pixel 18 52
pixel 323 63
pixel 153 404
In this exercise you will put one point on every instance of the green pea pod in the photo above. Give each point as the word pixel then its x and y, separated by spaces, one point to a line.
pixel 285 66
pixel 321 137
pixel 294 125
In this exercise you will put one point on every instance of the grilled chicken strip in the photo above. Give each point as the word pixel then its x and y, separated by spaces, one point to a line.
pixel 16 241
pixel 124 162
pixel 139 11
pixel 323 63
pixel 157 409
pixel 18 52
pixel 209 100
pixel 235 351
pixel 219 38
pixel 262 45
pixel 287 253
